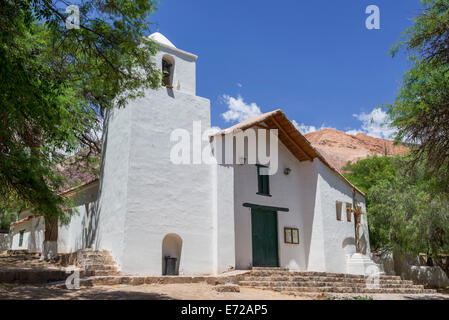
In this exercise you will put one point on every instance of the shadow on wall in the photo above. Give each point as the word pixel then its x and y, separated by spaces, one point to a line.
pixel 349 246
pixel 308 200
pixel 91 233
pixel 363 244
pixel 171 248
pixel 91 222
pixel 90 227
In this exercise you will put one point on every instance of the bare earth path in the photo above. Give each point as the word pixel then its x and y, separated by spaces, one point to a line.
pixel 25 262
pixel 169 292
pixel 201 291
pixel 146 292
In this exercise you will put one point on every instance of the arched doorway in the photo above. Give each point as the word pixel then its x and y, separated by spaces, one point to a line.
pixel 171 248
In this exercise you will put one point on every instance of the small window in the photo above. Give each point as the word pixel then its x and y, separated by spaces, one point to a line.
pixel 21 237
pixel 349 212
pixel 263 181
pixel 291 235
pixel 339 206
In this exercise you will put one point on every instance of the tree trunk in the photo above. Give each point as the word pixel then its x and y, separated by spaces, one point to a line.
pixel 444 265
pixel 50 248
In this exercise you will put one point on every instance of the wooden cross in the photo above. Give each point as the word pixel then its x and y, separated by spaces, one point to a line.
pixel 358 222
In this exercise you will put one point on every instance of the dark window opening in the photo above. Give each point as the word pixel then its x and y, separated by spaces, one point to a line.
pixel 167 72
pixel 263 181
pixel 339 207
pixel 349 212
pixel 21 238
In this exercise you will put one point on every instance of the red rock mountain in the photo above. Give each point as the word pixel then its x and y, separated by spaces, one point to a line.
pixel 339 147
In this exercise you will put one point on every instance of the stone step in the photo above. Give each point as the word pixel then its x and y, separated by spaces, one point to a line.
pixel 287 284
pixel 97 260
pixel 269 269
pixel 269 273
pixel 325 279
pixel 100 267
pixel 140 280
pixel 104 273
pixel 349 290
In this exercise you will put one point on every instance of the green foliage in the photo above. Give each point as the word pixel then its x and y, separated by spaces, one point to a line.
pixel 421 109
pixel 404 208
pixel 367 172
pixel 56 84
pixel 361 298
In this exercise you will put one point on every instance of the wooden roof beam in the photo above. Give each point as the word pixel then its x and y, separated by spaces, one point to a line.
pixel 290 139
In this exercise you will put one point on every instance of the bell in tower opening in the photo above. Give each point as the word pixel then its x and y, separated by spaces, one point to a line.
pixel 167 71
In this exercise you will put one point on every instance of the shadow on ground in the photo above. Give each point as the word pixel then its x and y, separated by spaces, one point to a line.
pixel 28 292
pixel 426 297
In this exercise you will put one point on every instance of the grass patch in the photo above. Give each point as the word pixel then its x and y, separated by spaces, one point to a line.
pixel 363 298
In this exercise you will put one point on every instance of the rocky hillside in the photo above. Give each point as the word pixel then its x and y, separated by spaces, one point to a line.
pixel 339 147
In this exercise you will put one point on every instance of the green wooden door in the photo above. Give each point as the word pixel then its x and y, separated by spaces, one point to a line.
pixel 265 238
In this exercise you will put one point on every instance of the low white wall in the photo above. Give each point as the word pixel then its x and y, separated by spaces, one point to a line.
pixel 78 234
pixel 398 264
pixel 33 237
pixel 5 241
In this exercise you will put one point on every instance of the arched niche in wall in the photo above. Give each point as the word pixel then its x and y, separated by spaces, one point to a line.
pixel 171 248
pixel 168 69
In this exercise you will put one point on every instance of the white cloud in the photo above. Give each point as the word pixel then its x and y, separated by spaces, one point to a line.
pixel 375 124
pixel 239 85
pixel 239 110
pixel 304 129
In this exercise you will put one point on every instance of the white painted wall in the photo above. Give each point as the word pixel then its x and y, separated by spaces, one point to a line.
pixel 310 192
pixel 113 188
pixel 294 192
pixel 223 221
pixel 165 198
pixel 74 236
pixel 338 236
pixel 143 195
pixel 80 233
pixel 33 237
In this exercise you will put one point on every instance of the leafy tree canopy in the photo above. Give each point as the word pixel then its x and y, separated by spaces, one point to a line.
pixel 421 109
pixel 404 210
pixel 57 82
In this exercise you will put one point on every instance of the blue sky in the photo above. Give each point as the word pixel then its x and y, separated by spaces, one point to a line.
pixel 316 60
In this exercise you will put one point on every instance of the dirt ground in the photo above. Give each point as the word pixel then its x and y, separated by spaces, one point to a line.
pixel 145 292
pixel 25 262
pixel 200 291
pixel 170 292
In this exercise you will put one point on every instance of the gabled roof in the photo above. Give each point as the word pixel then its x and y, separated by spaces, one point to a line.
pixel 297 143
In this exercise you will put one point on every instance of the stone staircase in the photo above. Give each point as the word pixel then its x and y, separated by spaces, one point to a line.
pixel 291 282
pixel 95 263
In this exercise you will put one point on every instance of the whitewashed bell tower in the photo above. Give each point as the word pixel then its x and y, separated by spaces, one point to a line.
pixel 151 208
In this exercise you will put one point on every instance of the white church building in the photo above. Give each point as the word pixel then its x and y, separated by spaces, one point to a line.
pixel 211 217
